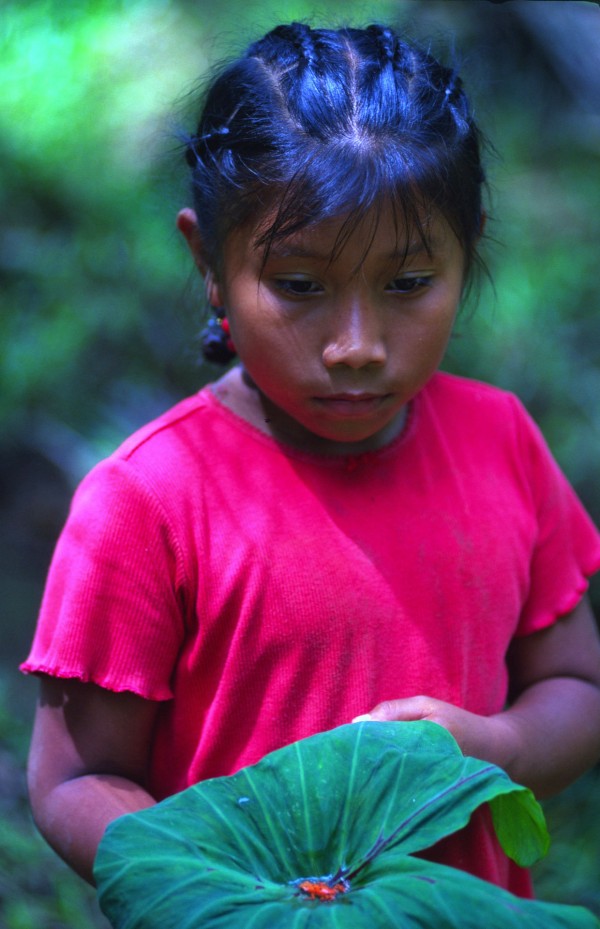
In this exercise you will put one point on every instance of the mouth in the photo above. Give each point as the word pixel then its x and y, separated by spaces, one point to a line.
pixel 352 404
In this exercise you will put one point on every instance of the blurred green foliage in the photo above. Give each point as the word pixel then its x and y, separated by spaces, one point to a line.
pixel 99 307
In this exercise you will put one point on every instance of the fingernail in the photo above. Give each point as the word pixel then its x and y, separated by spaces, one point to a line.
pixel 365 718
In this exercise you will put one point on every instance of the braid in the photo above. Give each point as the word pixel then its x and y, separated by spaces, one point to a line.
pixel 456 101
pixel 386 43
pixel 303 67
pixel 274 48
pixel 301 38
pixel 210 141
pixel 454 87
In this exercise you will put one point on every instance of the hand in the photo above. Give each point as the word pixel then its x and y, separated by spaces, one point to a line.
pixel 490 738
pixel 550 732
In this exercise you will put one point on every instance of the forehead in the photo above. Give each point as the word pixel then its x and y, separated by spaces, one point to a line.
pixel 380 229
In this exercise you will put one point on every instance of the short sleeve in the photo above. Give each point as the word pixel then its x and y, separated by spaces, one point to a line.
pixel 112 608
pixel 567 549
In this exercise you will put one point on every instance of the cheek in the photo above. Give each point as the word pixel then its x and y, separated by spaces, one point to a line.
pixel 269 336
pixel 263 348
pixel 431 328
pixel 421 347
pixel 444 315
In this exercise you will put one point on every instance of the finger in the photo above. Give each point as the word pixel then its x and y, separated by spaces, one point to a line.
pixel 395 711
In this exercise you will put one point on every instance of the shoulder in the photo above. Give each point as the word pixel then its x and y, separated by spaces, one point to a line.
pixel 469 402
pixel 171 426
pixel 492 428
pixel 192 434
pixel 157 462
pixel 453 390
pixel 487 420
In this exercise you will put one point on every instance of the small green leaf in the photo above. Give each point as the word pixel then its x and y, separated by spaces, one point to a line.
pixel 524 838
pixel 321 834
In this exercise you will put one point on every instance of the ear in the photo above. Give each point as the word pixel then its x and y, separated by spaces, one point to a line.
pixel 187 223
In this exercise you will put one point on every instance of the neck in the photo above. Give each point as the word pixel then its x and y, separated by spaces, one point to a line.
pixel 237 391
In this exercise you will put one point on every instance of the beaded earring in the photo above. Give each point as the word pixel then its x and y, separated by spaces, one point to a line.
pixel 215 339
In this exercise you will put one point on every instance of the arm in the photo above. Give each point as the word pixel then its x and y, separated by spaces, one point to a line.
pixel 550 733
pixel 87 765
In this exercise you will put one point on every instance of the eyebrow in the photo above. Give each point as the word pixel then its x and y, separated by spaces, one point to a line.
pixel 283 250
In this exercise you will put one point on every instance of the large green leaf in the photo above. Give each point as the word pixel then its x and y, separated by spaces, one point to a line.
pixel 337 814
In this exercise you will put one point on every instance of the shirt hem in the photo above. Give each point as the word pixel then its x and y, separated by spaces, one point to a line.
pixel 41 670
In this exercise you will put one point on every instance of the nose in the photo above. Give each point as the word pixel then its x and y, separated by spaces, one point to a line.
pixel 355 338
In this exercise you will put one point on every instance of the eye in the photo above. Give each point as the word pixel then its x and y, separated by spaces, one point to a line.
pixel 298 286
pixel 409 285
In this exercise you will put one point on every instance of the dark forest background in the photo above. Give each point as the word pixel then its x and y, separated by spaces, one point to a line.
pixel 99 311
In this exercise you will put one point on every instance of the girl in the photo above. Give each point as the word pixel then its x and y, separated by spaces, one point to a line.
pixel 332 529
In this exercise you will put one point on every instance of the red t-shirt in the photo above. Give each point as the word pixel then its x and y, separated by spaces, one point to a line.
pixel 265 594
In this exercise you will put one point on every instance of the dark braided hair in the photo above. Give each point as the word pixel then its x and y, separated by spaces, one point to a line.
pixel 314 123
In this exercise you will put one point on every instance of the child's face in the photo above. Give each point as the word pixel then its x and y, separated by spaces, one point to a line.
pixel 337 349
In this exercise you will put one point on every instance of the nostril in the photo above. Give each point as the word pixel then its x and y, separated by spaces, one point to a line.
pixel 354 354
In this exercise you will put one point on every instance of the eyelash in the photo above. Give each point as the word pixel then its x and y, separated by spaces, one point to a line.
pixel 289 285
pixel 416 283
pixel 302 288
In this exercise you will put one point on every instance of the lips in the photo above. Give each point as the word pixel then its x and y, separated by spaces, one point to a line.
pixel 353 397
pixel 352 404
